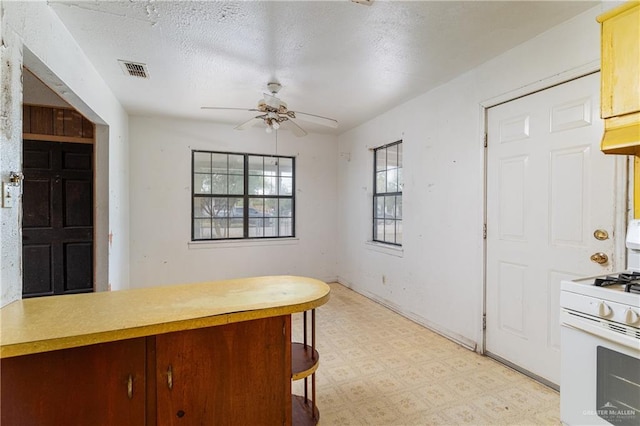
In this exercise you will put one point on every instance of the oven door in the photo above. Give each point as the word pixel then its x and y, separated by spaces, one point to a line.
pixel 600 380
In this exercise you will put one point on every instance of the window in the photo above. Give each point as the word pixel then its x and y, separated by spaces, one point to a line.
pixel 242 196
pixel 387 194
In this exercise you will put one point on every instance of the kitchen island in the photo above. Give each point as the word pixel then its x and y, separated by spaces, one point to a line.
pixel 205 353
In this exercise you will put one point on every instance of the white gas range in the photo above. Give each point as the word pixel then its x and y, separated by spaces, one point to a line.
pixel 600 342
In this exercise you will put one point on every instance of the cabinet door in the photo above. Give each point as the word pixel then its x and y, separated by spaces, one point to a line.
pixel 236 374
pixel 80 386
pixel 621 64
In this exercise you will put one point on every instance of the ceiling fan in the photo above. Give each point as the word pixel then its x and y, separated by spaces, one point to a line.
pixel 274 112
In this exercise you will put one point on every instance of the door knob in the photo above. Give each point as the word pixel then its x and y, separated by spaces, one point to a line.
pixel 600 258
pixel 600 234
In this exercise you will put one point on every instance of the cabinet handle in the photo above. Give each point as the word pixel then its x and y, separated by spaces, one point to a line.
pixel 170 377
pixel 130 386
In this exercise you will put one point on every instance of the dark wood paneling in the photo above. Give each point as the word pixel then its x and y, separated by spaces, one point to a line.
pixel 80 386
pixel 36 159
pixel 237 374
pixel 77 160
pixel 87 128
pixel 72 123
pixel 78 259
pixel 58 122
pixel 78 200
pixel 36 261
pixel 26 119
pixel 36 203
pixel 42 120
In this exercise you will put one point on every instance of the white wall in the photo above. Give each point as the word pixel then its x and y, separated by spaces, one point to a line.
pixel 160 184
pixel 33 35
pixel 437 278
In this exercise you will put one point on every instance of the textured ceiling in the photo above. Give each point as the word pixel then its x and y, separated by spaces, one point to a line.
pixel 338 59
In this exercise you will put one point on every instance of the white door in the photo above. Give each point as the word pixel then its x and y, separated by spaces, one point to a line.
pixel 549 188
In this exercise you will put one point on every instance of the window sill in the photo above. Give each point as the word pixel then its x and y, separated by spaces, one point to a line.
pixel 397 251
pixel 257 242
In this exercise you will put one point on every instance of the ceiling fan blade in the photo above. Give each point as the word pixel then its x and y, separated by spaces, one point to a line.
pixel 231 109
pixel 317 119
pixel 249 123
pixel 297 130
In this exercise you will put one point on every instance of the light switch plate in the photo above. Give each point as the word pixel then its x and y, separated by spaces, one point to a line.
pixel 7 196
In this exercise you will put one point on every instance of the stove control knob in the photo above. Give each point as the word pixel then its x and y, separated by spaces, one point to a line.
pixel 604 310
pixel 631 317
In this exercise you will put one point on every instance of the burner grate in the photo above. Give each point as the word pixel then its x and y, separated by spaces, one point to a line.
pixel 631 281
pixel 632 288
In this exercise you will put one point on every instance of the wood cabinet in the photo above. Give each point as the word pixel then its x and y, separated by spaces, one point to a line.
pixel 236 374
pixel 101 384
pixel 620 79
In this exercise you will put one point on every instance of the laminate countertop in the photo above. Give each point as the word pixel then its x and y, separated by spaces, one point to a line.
pixel 58 322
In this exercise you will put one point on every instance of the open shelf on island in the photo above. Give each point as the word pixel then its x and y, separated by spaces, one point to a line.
pixel 304 412
pixel 304 360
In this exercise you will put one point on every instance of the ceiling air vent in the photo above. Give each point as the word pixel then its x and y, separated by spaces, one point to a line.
pixel 134 69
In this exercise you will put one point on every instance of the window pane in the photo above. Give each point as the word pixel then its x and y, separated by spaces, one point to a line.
pixel 286 186
pixel 236 164
pixel 286 227
pixel 399 232
pixel 201 229
pixel 379 213
pixel 202 162
pixel 399 155
pixel 219 184
pixel 399 207
pixel 285 208
pixel 389 232
pixel 202 207
pixel 220 228
pixel 392 157
pixel 236 228
pixel 256 185
pixel 256 165
pixel 220 163
pixel 381 181
pixel 379 229
pixel 256 207
pixel 285 166
pixel 270 187
pixel 236 184
pixel 400 181
pixel 256 227
pixel 271 207
pixel 271 166
pixel 202 183
pixel 389 207
pixel 392 180
pixel 381 160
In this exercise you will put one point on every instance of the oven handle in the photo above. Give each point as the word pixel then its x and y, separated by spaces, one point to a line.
pixel 594 327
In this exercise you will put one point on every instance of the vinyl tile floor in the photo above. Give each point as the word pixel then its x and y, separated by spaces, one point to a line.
pixel 379 368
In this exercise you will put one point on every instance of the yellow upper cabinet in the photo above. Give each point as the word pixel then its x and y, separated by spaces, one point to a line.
pixel 620 73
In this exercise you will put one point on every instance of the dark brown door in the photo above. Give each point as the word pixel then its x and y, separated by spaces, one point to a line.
pixel 57 223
